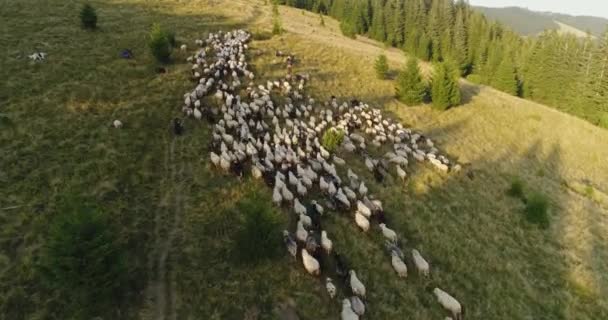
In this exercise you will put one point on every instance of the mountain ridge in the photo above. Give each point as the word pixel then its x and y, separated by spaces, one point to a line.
pixel 528 22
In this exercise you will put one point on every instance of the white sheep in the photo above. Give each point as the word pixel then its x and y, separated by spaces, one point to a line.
pixel 183 47
pixel 310 263
pixel 298 207
pixel 277 198
pixel 356 285
pixel 449 303
pixel 361 221
pixel 117 124
pixel 357 305
pixel 331 288
pixel 215 159
pixel 421 264
pixel 388 233
pixel 398 265
pixel 301 233
pixel 197 114
pixel 401 173
pixel 362 189
pixel 363 209
pixel 326 243
pixel 347 311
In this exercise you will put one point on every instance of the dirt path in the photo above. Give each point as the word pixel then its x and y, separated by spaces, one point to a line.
pixel 160 293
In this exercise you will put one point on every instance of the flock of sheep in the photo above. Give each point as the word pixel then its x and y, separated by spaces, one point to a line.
pixel 274 131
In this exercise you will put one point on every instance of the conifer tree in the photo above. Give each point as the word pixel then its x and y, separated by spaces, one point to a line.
pixel 460 50
pixel 506 76
pixel 424 50
pixel 411 89
pixel 381 66
pixel 445 91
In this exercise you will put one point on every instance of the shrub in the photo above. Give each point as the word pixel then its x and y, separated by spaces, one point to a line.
pixel 82 258
pixel 331 139
pixel 517 189
pixel 322 21
pixel 159 44
pixel 277 29
pixel 536 210
pixel 381 66
pixel 259 238
pixel 88 17
pixel 348 29
pixel 171 38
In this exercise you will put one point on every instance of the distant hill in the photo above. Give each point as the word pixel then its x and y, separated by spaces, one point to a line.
pixel 529 22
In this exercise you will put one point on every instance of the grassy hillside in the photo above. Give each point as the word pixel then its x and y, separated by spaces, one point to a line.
pixel 528 22
pixel 173 212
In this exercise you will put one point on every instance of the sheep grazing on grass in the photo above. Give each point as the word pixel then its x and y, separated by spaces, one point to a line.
pixel 310 263
pixel 388 233
pixel 215 159
pixel 421 264
pixel 398 265
pixel 290 244
pixel 117 124
pixel 361 221
pixel 363 209
pixel 347 311
pixel 326 243
pixel 357 305
pixel 401 173
pixel 356 285
pixel 449 303
pixel 178 126
pixel 331 288
pixel 282 143
pixel 301 233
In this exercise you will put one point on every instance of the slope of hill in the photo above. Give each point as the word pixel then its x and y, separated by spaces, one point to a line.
pixel 153 184
pixel 528 22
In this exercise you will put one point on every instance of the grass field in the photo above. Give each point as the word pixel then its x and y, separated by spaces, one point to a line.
pixel 176 214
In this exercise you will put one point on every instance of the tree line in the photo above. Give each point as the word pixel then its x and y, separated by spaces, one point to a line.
pixel 563 71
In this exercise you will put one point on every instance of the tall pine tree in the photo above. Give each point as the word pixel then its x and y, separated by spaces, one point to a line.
pixel 445 91
pixel 506 76
pixel 411 89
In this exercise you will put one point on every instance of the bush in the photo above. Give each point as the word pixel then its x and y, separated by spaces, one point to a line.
pixel 277 29
pixel 259 238
pixel 322 21
pixel 331 139
pixel 159 44
pixel 348 29
pixel 82 259
pixel 171 38
pixel 517 189
pixel 536 210
pixel 381 66
pixel 88 17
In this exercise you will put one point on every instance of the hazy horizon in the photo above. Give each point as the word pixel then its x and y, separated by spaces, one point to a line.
pixel 592 8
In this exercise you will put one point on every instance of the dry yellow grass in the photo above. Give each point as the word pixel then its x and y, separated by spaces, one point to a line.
pixel 479 246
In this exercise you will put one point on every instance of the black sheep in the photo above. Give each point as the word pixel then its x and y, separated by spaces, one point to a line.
pixel 178 126
pixel 237 168
pixel 341 266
